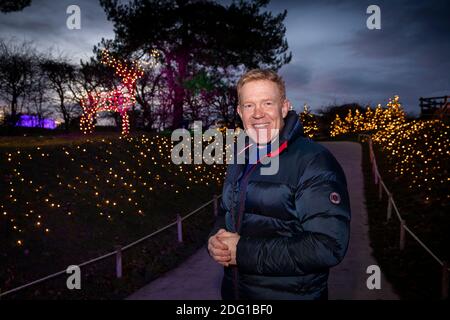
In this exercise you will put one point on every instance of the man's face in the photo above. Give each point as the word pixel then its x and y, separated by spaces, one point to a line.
pixel 262 110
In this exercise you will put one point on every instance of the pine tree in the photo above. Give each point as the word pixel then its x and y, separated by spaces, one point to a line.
pixel 377 118
pixel 369 123
pixel 309 122
pixel 358 121
pixel 337 127
pixel 397 114
pixel 348 123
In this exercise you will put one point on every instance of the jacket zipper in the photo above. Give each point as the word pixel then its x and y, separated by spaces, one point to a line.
pixel 242 191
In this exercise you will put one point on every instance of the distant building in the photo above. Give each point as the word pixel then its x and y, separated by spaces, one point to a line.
pixel 32 121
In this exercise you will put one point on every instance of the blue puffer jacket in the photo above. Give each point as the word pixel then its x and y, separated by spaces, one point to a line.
pixel 294 225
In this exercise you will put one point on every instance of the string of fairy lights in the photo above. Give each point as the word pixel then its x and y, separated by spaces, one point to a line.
pixel 418 151
pixel 381 118
pixel 309 122
pixel 118 100
pixel 118 180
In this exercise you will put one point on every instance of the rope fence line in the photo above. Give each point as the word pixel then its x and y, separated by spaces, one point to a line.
pixel 403 227
pixel 120 249
pixel 423 245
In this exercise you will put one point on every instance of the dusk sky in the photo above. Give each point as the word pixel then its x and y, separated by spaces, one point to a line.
pixel 336 58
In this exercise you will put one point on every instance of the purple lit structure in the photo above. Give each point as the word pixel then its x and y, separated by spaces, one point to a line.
pixel 34 122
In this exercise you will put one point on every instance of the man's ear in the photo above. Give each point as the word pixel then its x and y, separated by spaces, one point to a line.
pixel 285 108
pixel 238 110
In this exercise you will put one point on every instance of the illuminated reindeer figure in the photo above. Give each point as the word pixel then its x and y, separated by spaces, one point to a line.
pixel 119 100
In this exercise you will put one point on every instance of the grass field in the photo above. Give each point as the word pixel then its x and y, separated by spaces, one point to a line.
pixel 67 199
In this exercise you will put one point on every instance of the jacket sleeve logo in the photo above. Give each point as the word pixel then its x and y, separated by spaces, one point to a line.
pixel 335 198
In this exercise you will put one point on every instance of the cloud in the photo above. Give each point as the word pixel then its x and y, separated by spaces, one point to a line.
pixel 296 75
pixel 44 22
pixel 348 62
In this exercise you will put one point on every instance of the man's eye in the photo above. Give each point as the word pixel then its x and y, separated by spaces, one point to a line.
pixel 268 103
pixel 247 105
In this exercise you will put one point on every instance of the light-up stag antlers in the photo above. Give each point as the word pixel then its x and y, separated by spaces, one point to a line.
pixel 118 100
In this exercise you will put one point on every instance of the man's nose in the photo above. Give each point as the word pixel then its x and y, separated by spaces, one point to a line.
pixel 258 112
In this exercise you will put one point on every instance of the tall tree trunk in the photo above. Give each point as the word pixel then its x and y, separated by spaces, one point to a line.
pixel 64 111
pixel 66 117
pixel 177 110
pixel 14 102
pixel 180 92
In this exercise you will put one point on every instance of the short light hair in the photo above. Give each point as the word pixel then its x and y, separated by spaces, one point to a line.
pixel 261 74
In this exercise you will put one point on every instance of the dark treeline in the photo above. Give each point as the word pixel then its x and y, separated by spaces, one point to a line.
pixel 192 53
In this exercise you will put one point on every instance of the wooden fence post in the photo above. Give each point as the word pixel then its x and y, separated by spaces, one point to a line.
pixel 118 262
pixel 375 177
pixel 215 206
pixel 402 234
pixel 375 174
pixel 389 208
pixel 179 229
pixel 380 190
pixel 444 286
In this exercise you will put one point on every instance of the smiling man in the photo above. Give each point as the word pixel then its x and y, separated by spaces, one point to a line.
pixel 277 235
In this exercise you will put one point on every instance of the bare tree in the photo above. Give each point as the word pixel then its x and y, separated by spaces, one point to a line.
pixel 60 74
pixel 89 77
pixel 146 89
pixel 225 102
pixel 16 70
pixel 40 107
pixel 39 96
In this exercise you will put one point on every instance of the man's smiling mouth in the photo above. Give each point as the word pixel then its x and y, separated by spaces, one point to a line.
pixel 260 125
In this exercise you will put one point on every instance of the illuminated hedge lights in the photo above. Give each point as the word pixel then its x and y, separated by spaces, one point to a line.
pixel 392 116
pixel 110 179
pixel 420 152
